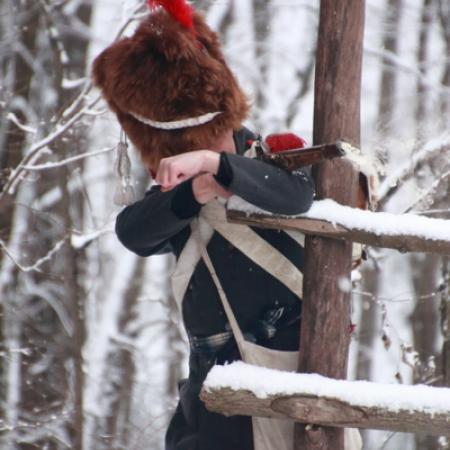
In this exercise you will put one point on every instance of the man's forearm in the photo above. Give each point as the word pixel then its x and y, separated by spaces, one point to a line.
pixel 269 187
pixel 145 227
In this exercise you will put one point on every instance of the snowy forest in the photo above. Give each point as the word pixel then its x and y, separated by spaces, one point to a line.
pixel 91 344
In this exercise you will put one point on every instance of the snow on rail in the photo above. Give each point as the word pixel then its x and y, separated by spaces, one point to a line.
pixel 264 383
pixel 379 223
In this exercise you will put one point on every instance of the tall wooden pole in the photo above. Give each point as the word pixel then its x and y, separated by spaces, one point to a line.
pixel 325 333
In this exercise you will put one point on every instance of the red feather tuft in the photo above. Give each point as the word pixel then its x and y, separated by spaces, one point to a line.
pixel 285 141
pixel 181 11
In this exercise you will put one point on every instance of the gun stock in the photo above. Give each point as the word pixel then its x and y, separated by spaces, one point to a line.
pixel 296 158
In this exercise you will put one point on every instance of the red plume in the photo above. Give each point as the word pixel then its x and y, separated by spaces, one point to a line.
pixel 285 141
pixel 181 11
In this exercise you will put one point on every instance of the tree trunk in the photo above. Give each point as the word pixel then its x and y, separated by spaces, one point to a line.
pixel 425 316
pixel 444 19
pixel 261 26
pixel 445 321
pixel 326 309
pixel 75 304
pixel 422 58
pixel 369 324
pixel 74 213
pixel 121 369
pixel 386 104
pixel 425 328
pixel 11 374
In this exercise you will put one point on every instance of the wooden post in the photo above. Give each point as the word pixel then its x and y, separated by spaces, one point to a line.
pixel 326 308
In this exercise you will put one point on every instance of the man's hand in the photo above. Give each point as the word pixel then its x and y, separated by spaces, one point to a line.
pixel 205 188
pixel 176 169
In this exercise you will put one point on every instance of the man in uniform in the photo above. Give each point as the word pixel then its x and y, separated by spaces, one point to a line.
pixel 181 106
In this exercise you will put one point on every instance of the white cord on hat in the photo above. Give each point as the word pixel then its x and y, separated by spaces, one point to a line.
pixel 178 124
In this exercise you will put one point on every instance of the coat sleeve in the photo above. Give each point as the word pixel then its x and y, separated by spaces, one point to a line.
pixel 265 185
pixel 146 227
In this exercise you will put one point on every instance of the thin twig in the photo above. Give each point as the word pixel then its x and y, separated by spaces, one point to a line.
pixel 63 162
pixel 39 262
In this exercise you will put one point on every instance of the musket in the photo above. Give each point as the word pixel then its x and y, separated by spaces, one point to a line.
pixel 302 157
pixel 308 156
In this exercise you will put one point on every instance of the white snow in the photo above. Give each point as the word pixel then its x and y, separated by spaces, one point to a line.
pixel 73 84
pixel 264 382
pixel 380 223
pixel 79 241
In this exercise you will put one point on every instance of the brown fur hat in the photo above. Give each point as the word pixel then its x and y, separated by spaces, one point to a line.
pixel 165 72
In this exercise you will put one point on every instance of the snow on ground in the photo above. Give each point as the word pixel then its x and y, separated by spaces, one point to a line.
pixel 266 382
pixel 380 223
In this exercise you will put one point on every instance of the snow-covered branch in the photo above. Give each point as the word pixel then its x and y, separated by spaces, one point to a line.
pixel 39 262
pixel 430 150
pixel 63 162
pixel 428 197
pixel 36 150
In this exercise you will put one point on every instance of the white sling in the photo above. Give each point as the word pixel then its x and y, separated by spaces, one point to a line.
pixel 213 217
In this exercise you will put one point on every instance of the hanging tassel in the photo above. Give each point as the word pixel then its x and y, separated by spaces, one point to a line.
pixel 124 192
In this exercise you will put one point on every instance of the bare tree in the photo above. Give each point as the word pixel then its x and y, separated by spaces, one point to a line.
pixel 444 19
pixel 387 97
pixel 422 60
pixel 445 314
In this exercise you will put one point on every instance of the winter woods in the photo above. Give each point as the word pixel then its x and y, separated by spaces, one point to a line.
pixel 91 350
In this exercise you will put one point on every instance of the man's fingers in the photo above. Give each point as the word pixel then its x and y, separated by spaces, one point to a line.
pixel 174 175
pixel 169 185
pixel 169 174
pixel 176 169
pixel 159 173
pixel 163 174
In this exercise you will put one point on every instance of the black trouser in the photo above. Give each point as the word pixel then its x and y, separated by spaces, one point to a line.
pixel 193 427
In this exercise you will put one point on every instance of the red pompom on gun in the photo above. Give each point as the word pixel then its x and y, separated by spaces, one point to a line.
pixel 181 11
pixel 285 141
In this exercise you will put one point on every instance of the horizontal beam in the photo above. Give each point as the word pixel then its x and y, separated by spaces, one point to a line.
pixel 403 243
pixel 243 389
pixel 324 411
